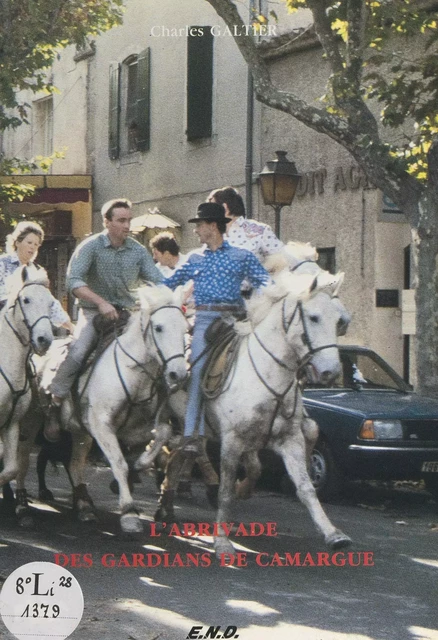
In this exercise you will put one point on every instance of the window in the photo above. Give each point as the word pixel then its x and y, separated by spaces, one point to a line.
pixel 327 259
pixel 199 83
pixel 42 125
pixel 129 105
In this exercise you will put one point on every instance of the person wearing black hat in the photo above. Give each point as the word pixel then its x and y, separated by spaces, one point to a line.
pixel 217 274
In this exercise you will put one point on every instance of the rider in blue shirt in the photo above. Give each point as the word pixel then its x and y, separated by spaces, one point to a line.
pixel 217 274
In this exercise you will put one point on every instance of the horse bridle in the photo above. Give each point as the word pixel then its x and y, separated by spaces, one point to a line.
pixel 18 393
pixel 306 341
pixel 305 337
pixel 165 361
pixel 29 327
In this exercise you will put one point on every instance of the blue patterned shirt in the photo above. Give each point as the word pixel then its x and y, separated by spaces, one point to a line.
pixel 113 273
pixel 218 274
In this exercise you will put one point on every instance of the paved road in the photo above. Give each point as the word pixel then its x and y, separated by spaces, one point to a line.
pixel 395 599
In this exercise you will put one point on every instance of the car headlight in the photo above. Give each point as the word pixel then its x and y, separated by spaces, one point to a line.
pixel 381 430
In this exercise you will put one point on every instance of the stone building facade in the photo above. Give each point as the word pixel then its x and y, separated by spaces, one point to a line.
pixel 157 111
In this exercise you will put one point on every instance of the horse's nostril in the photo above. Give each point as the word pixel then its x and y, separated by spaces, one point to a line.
pixel 173 376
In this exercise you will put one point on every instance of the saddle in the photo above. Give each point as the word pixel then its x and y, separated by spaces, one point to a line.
pixel 224 343
pixel 108 331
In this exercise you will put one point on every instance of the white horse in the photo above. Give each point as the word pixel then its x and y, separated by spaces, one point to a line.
pixel 137 370
pixel 294 326
pixel 24 326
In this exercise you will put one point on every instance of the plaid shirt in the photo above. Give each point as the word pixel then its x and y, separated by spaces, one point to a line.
pixel 114 273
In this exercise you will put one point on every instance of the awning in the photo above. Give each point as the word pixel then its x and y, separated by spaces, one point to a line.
pixel 55 196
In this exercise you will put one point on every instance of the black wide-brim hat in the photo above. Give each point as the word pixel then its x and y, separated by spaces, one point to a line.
pixel 210 212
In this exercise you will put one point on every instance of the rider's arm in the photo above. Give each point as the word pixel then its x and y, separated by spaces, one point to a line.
pixel 148 270
pixel 254 272
pixel 77 274
pixel 105 308
pixel 181 275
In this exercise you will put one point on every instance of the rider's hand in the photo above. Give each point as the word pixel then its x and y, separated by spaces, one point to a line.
pixel 108 311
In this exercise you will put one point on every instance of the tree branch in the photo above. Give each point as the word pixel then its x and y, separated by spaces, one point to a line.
pixel 356 17
pixel 328 39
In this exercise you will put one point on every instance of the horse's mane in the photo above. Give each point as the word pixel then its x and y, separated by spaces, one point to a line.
pixel 285 283
pixel 291 255
pixel 15 282
pixel 301 285
pixel 152 298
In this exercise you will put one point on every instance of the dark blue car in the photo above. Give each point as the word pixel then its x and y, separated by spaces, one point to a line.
pixel 372 426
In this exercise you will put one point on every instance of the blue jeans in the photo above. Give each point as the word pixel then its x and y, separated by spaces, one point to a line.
pixel 195 418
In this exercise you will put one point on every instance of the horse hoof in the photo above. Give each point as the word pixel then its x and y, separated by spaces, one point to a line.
pixel 243 490
pixel 212 491
pixel 26 520
pixel 87 514
pixel 131 523
pixel 338 540
pixel 223 546
pixel 45 495
pixel 160 515
pixel 143 462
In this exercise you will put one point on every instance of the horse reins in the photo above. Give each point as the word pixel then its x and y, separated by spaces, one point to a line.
pixel 29 327
pixel 279 397
pixel 162 368
pixel 18 393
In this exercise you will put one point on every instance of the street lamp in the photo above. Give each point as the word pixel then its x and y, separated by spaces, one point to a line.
pixel 278 181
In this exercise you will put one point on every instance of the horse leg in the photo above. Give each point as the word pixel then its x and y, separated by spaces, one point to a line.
pixel 44 493
pixel 10 453
pixel 162 435
pixel 293 452
pixel 10 438
pixel 230 457
pixel 209 475
pixel 22 509
pixel 129 520
pixel 165 511
pixel 310 432
pixel 82 503
pixel 253 469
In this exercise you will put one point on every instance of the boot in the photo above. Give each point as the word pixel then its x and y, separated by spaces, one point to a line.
pixel 52 427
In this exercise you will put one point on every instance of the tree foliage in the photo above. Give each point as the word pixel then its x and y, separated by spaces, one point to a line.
pixel 31 34
pixel 377 60
pixel 380 104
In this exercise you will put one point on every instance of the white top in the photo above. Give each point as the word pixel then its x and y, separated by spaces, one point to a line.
pixel 168 271
pixel 254 236
pixel 9 263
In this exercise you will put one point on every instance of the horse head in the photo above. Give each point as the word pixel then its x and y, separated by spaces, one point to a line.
pixel 164 327
pixel 28 309
pixel 310 322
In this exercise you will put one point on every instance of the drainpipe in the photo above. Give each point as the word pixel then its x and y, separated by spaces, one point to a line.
pixel 249 130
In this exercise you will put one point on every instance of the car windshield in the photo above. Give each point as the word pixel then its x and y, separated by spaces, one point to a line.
pixel 366 370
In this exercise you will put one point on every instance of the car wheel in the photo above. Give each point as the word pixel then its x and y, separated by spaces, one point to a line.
pixel 431 483
pixel 325 474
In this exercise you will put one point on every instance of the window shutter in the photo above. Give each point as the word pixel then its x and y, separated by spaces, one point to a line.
pixel 144 100
pixel 199 83
pixel 114 112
